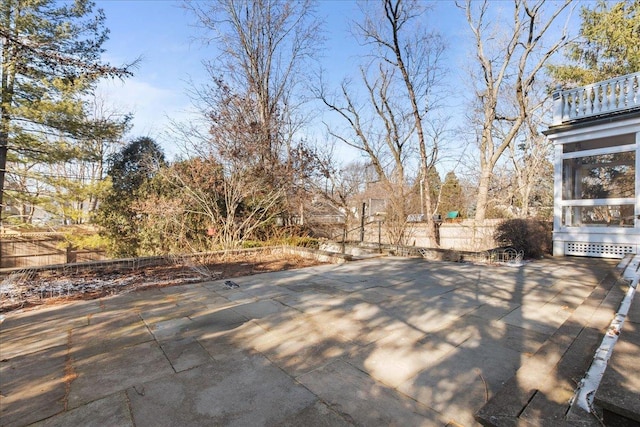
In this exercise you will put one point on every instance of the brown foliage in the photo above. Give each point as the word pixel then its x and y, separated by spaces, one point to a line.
pixel 528 235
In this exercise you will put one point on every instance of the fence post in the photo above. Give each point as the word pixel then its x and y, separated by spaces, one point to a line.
pixel 71 255
pixel 364 205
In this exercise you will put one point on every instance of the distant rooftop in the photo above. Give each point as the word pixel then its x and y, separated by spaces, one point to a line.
pixel 606 98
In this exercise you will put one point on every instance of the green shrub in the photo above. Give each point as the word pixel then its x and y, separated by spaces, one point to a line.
pixel 528 235
pixel 302 241
pixel 84 241
pixel 248 244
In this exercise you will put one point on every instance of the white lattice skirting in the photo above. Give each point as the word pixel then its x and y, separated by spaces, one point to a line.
pixel 603 250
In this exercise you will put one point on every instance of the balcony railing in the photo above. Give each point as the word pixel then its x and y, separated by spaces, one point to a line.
pixel 605 97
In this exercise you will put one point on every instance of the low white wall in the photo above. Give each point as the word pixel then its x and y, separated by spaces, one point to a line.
pixel 464 235
pixel 469 235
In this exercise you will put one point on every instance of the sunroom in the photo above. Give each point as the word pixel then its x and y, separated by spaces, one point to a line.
pixel 596 137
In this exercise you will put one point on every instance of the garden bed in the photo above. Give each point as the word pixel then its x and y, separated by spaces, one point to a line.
pixel 31 287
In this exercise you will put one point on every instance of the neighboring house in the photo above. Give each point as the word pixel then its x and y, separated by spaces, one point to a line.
pixel 324 212
pixel 596 135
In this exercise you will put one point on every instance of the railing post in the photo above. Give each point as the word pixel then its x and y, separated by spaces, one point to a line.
pixel 628 101
pixel 557 105
pixel 597 99
pixel 579 107
pixel 589 101
pixel 611 88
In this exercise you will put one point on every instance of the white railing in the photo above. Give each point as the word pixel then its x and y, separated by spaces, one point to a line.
pixel 605 97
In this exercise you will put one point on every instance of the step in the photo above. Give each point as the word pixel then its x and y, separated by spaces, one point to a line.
pixel 619 391
pixel 540 391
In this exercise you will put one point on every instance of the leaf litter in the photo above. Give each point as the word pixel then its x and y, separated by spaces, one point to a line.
pixel 27 288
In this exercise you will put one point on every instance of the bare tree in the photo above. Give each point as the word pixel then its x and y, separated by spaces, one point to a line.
pixel 253 101
pixel 266 46
pixel 24 193
pixel 339 186
pixel 509 65
pixel 532 167
pixel 417 54
pixel 508 61
pixel 107 127
pixel 381 134
pixel 400 80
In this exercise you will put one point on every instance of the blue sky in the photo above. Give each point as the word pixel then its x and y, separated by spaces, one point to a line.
pixel 162 34
pixel 159 33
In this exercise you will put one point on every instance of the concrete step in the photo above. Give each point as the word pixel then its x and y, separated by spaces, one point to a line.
pixel 619 391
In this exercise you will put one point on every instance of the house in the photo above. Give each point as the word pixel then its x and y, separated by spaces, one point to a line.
pixel 596 137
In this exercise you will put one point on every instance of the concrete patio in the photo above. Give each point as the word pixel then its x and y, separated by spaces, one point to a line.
pixel 385 341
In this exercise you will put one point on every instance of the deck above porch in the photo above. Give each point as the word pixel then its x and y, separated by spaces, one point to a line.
pixel 607 97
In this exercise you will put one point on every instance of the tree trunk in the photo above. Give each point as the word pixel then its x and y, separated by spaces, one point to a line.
pixel 525 200
pixel 483 194
pixel 8 77
pixel 415 111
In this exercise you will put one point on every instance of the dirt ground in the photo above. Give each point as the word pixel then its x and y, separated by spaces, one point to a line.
pixel 28 289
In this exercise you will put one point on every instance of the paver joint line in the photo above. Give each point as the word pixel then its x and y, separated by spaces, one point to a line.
pixel 428 346
pixel 493 413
